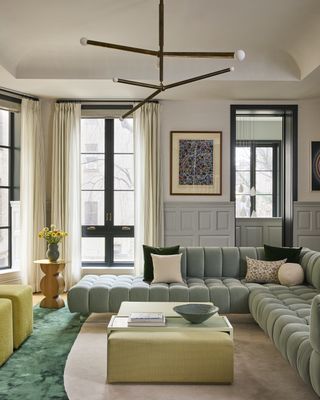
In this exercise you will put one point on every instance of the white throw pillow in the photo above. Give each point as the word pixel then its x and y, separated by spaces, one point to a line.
pixel 291 274
pixel 167 269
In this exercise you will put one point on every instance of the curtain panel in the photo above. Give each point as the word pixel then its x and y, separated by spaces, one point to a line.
pixel 148 182
pixel 65 190
pixel 32 192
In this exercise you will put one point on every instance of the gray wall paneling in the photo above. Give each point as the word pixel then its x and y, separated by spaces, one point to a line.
pixel 306 231
pixel 199 224
pixel 258 231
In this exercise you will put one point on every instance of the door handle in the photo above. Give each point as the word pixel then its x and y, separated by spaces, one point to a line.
pixel 126 228
pixel 91 228
pixel 108 216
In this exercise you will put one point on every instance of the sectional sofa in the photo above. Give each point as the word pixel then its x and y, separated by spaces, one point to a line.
pixel 289 315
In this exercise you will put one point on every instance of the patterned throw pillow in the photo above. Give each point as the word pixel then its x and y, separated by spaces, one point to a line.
pixel 259 271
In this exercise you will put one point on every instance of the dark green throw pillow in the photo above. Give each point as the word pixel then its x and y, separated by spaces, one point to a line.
pixel 148 265
pixel 292 254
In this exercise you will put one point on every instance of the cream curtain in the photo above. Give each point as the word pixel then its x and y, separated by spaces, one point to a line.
pixel 65 191
pixel 32 192
pixel 148 190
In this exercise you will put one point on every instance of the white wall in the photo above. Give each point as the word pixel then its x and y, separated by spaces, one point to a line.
pixel 212 115
pixel 309 130
pixel 215 115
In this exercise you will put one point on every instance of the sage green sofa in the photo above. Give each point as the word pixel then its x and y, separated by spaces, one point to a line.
pixel 289 315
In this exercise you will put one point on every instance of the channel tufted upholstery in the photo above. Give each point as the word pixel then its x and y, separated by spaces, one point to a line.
pixel 210 273
pixel 289 315
pixel 105 293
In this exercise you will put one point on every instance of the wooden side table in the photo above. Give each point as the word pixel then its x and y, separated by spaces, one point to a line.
pixel 52 284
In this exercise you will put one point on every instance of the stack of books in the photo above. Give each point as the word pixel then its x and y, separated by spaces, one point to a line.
pixel 147 319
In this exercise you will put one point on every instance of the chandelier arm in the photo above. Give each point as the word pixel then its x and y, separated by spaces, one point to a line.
pixel 200 54
pixel 135 108
pixel 197 78
pixel 161 40
pixel 123 48
pixel 135 83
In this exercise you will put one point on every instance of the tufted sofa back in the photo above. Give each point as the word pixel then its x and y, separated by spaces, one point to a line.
pixel 200 262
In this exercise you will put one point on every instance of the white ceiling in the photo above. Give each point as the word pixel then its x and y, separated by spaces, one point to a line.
pixel 40 51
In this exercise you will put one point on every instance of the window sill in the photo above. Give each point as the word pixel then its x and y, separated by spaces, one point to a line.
pixel 9 271
pixel 118 270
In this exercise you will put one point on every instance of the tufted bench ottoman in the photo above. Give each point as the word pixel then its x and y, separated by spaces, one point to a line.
pixel 22 314
pixel 6 336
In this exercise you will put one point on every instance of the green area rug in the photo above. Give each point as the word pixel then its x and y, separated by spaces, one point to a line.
pixel 35 370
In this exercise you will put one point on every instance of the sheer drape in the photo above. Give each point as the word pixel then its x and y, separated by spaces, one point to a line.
pixel 32 192
pixel 65 192
pixel 148 189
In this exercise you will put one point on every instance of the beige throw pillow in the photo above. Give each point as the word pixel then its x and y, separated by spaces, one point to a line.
pixel 291 274
pixel 167 269
pixel 263 271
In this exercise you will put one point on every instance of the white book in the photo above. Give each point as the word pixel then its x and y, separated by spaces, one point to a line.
pixel 146 317
pixel 147 323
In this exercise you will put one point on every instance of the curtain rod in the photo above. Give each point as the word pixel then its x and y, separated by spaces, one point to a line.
pixel 100 101
pixel 18 94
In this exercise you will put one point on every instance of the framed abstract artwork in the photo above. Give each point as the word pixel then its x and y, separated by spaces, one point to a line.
pixel 315 165
pixel 195 166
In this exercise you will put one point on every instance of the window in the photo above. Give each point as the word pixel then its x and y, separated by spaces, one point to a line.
pixel 107 191
pixel 9 181
pixel 257 178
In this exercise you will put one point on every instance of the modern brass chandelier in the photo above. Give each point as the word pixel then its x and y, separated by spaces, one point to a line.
pixel 160 54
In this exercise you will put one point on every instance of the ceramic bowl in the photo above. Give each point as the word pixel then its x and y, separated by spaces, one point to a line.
pixel 196 313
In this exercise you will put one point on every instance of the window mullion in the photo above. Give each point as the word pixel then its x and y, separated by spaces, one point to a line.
pixel 275 180
pixel 11 181
pixel 252 176
pixel 109 139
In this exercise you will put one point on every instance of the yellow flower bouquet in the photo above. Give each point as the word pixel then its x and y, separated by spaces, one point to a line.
pixel 52 235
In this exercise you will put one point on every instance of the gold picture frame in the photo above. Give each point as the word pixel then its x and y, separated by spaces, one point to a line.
pixel 196 163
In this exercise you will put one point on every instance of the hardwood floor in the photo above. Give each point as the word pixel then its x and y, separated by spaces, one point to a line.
pixel 37 297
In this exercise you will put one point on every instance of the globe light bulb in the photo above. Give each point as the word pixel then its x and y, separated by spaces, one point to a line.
pixel 239 55
pixel 84 41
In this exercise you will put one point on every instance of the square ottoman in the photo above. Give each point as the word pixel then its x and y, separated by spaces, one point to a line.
pixel 6 331
pixel 22 313
pixel 185 357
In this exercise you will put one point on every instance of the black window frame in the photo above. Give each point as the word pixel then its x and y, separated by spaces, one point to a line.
pixel 10 187
pixel 289 157
pixel 276 176
pixel 108 231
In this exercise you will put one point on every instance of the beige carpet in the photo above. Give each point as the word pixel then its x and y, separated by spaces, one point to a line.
pixel 260 371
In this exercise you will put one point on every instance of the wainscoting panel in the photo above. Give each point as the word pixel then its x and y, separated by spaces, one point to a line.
pixel 258 231
pixel 199 224
pixel 306 225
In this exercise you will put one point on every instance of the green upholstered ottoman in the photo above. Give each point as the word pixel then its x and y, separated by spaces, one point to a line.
pixel 185 357
pixel 6 331
pixel 22 314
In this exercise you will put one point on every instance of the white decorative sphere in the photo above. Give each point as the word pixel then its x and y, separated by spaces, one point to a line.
pixel 239 55
pixel 84 41
pixel 291 274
